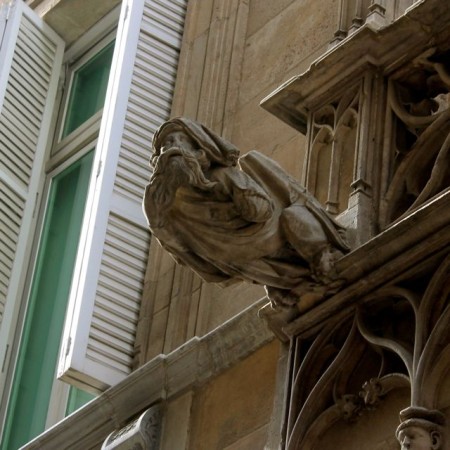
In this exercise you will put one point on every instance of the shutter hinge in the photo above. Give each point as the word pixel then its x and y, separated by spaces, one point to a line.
pixel 6 8
pixel 127 9
pixel 36 200
pixel 63 77
pixel 69 344
pixel 5 358
pixel 99 169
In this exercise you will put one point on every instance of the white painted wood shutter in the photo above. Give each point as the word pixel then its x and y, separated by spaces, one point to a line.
pixel 30 63
pixel 98 342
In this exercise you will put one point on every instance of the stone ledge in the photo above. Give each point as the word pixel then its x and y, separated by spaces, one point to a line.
pixel 164 377
pixel 422 234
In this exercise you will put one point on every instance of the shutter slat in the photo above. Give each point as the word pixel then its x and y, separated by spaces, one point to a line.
pixel 11 212
pixel 113 311
pixel 142 109
pixel 129 265
pixel 43 46
pixel 36 53
pixel 108 357
pixel 149 105
pixel 27 71
pixel 28 98
pixel 24 140
pixel 19 120
pixel 119 288
pixel 165 21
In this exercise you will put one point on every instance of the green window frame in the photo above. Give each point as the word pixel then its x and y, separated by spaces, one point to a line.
pixel 88 89
pixel 44 321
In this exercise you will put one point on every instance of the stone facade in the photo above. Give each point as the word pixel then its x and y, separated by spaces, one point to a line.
pixel 355 106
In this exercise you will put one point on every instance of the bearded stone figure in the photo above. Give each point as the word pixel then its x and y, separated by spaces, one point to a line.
pixel 233 219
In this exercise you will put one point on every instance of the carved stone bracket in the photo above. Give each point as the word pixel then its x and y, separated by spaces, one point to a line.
pixel 370 266
pixel 391 349
pixel 143 433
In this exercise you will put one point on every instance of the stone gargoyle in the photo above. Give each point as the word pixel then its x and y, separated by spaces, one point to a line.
pixel 234 218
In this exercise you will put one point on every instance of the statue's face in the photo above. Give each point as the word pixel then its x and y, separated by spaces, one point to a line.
pixel 178 163
pixel 177 139
pixel 416 438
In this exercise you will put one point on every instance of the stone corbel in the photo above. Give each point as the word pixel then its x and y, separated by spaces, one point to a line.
pixel 142 433
pixel 377 15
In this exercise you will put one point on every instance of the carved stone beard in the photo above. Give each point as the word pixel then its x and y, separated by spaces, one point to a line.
pixel 178 167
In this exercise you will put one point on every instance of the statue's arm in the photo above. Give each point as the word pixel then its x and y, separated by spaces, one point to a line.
pixel 250 200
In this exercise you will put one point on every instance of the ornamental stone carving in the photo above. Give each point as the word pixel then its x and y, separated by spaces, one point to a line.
pixel 376 115
pixel 420 134
pixel 231 218
pixel 143 433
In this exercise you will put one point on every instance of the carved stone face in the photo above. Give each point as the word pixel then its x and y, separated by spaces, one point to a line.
pixel 177 139
pixel 416 438
pixel 178 162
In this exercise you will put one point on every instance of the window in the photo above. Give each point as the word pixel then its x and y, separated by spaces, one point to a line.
pixel 30 65
pixel 88 90
pixel 108 146
pixel 35 369
pixel 32 395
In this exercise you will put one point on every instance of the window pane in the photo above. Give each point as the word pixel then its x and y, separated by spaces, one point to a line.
pixel 77 398
pixel 44 321
pixel 88 91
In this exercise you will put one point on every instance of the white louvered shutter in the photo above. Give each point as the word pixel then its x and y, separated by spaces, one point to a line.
pixel 100 328
pixel 30 64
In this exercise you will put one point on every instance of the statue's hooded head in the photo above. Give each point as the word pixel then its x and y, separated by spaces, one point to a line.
pixel 218 150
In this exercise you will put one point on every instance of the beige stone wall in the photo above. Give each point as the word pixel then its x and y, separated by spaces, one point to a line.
pixel 234 54
pixel 233 411
pixel 282 40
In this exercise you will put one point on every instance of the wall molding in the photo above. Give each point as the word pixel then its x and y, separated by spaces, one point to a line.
pixel 164 377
